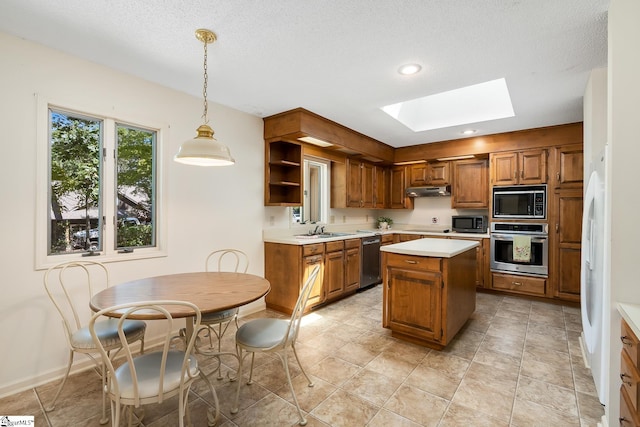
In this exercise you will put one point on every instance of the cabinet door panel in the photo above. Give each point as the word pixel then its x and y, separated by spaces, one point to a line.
pixel 317 294
pixel 470 184
pixel 334 273
pixel 398 187
pixel 414 305
pixel 367 185
pixel 354 184
pixel 418 175
pixel 504 168
pixel 352 273
pixel 569 166
pixel 533 167
pixel 438 173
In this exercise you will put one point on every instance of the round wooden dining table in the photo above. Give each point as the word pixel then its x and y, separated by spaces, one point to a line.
pixel 209 291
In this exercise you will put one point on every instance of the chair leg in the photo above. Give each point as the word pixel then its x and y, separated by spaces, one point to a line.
pixel 52 405
pixel 285 363
pixel 253 356
pixel 295 353
pixel 103 375
pixel 212 419
pixel 234 408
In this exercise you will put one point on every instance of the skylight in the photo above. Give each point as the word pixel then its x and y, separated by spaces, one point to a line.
pixel 470 104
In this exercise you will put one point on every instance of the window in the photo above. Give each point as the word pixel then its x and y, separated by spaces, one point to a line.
pixel 316 192
pixel 101 187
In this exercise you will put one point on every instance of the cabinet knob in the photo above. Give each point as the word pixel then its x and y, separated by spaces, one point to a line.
pixel 622 376
pixel 626 341
pixel 558 176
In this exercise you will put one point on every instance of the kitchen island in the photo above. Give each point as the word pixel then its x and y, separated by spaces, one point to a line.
pixel 429 289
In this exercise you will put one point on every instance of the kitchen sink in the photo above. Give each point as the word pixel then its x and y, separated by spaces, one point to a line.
pixel 322 235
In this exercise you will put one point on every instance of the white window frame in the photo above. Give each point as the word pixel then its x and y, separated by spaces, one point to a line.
pixel 108 208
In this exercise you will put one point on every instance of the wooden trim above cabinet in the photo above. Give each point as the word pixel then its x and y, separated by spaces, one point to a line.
pixel 299 122
pixel 509 141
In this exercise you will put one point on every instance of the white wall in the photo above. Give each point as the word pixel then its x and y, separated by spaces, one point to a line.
pixel 206 207
pixel 624 174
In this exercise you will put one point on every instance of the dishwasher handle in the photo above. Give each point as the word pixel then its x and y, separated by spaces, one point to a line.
pixel 370 242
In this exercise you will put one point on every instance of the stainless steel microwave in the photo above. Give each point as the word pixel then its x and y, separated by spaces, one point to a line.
pixel 469 223
pixel 521 201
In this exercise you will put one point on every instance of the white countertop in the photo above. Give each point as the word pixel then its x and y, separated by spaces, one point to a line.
pixel 289 239
pixel 631 314
pixel 437 248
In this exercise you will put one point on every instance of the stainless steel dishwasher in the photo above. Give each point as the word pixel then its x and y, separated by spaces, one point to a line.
pixel 370 262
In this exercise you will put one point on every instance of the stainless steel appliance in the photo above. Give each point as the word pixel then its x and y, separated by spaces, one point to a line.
pixel 370 261
pixel 469 223
pixel 429 191
pixel 502 242
pixel 521 201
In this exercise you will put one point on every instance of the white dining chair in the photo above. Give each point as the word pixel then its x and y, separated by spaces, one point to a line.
pixel 157 375
pixel 275 335
pixel 217 323
pixel 66 284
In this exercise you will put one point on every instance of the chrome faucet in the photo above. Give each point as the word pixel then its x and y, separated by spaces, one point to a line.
pixel 315 231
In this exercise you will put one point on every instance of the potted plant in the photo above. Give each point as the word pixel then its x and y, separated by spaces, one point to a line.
pixel 384 223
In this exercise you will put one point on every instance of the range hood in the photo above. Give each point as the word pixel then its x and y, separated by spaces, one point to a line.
pixel 429 191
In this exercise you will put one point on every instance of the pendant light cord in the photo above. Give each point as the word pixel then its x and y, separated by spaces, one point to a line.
pixel 204 91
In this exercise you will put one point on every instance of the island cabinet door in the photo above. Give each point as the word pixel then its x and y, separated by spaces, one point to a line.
pixel 414 303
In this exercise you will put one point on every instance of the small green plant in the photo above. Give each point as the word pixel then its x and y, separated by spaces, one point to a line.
pixel 382 219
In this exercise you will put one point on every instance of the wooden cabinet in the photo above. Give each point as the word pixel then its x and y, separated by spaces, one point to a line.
pixel 288 266
pixel 527 285
pixel 283 174
pixel 352 265
pixel 630 378
pixel 427 300
pixel 381 177
pixel 386 239
pixel 334 271
pixel 431 173
pixel 565 239
pixel 519 167
pixel 482 260
pixel 470 184
pixel 568 166
pixel 398 183
pixel 352 184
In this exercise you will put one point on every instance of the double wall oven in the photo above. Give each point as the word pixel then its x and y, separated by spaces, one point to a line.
pixel 525 206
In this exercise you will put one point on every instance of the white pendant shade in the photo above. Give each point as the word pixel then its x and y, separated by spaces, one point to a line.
pixel 204 150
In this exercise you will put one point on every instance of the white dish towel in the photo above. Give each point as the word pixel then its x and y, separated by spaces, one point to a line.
pixel 522 248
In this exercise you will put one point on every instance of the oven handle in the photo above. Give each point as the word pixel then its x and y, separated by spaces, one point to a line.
pixel 506 237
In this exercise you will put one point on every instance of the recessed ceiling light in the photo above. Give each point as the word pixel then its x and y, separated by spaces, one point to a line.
pixel 469 132
pixel 409 69
pixel 471 104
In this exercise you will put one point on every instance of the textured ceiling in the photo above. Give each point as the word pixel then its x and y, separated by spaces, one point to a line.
pixel 339 58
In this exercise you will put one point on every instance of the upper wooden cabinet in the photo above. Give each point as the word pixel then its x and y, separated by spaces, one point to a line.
pixel 432 173
pixel 283 174
pixel 470 184
pixel 398 188
pixel 569 166
pixel 519 167
pixel 381 181
pixel 352 184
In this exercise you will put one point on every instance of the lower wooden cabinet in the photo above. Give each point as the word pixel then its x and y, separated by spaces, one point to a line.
pixel 352 265
pixel 288 266
pixel 427 300
pixel 519 284
pixel 565 243
pixel 630 378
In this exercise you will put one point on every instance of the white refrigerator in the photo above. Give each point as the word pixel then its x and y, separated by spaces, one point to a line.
pixel 594 295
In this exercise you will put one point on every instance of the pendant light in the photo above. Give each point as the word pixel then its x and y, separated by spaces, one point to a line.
pixel 204 149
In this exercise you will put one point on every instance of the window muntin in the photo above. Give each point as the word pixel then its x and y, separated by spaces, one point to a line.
pixel 80 188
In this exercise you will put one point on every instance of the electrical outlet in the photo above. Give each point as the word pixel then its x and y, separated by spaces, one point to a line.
pixel 344 218
pixel 272 220
pixel 366 218
pixel 435 220
pixel 332 219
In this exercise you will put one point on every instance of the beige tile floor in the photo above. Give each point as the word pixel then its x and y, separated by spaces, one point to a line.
pixel 515 363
